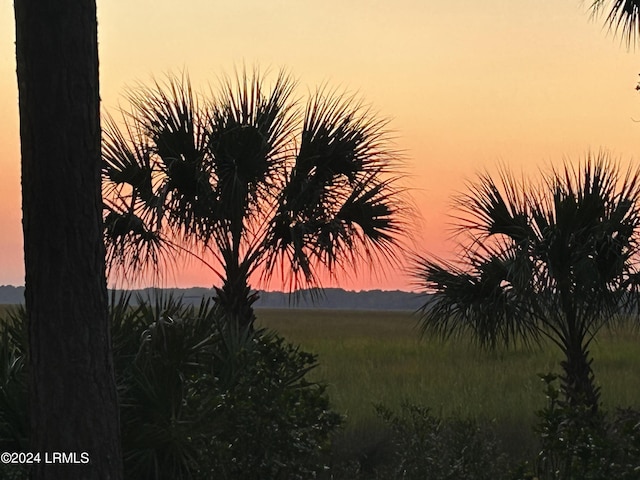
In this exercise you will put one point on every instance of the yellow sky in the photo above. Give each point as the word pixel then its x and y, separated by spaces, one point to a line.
pixel 468 85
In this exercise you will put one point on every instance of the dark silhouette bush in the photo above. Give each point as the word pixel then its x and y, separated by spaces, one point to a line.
pixel 199 397
pixel 439 448
pixel 577 444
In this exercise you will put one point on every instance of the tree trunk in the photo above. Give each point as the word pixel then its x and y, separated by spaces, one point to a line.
pixel 578 380
pixel 236 302
pixel 73 402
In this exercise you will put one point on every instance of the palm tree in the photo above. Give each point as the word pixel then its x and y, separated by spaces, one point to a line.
pixel 248 182
pixel 558 261
pixel 623 16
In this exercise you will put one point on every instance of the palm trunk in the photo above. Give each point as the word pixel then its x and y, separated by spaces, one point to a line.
pixel 578 381
pixel 73 402
pixel 236 300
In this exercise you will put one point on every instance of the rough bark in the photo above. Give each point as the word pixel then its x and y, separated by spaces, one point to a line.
pixel 236 301
pixel 578 380
pixel 73 402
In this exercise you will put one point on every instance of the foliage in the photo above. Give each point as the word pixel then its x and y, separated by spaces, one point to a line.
pixel 14 426
pixel 159 350
pixel 201 401
pixel 198 398
pixel 559 260
pixel 440 448
pixel 578 445
pixel 248 181
pixel 623 17
pixel 285 436
pixel 14 429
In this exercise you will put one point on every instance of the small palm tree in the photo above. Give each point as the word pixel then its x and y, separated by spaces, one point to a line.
pixel 249 182
pixel 556 261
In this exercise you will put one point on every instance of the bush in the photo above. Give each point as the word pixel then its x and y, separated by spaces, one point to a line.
pixel 202 398
pixel 198 400
pixel 443 448
pixel 275 423
pixel 580 444
pixel 14 425
pixel 160 350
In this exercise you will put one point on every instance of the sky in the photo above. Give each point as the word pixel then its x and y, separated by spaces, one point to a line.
pixel 467 86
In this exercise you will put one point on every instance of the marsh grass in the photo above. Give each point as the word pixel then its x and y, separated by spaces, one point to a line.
pixel 370 358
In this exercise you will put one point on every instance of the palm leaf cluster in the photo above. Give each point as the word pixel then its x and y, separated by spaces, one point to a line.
pixel 249 180
pixel 623 17
pixel 557 260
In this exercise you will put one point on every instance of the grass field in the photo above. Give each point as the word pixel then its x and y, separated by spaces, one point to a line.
pixel 369 358
pixel 380 357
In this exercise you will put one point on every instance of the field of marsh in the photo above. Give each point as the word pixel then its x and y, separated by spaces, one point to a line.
pixel 370 358
pixel 404 398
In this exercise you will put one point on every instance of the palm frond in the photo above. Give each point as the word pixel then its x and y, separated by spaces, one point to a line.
pixel 133 248
pixel 623 17
pixel 341 205
pixel 250 133
pixel 493 208
pixel 174 122
pixel 487 300
pixel 155 179
pixel 341 141
pixel 126 161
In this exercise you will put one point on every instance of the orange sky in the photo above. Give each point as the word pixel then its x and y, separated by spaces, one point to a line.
pixel 468 85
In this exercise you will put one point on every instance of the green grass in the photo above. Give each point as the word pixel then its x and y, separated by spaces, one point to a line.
pixel 379 357
pixel 5 307
pixel 369 358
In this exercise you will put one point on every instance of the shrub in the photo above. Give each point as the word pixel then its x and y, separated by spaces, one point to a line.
pixel 14 425
pixel 275 423
pixel 160 350
pixel 580 444
pixel 203 398
pixel 198 399
pixel 443 448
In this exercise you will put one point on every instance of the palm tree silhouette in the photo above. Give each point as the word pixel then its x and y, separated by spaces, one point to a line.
pixel 248 182
pixel 558 261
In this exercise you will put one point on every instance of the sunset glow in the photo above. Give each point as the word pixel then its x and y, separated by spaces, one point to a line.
pixel 467 86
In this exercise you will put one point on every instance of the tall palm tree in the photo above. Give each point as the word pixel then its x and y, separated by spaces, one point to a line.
pixel 559 260
pixel 249 181
pixel 73 404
